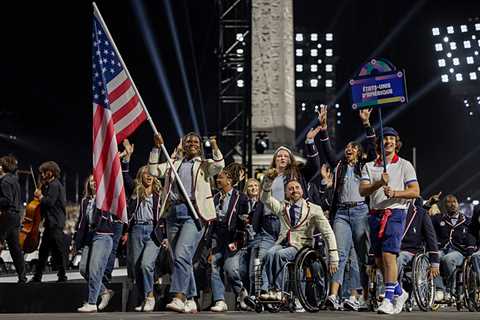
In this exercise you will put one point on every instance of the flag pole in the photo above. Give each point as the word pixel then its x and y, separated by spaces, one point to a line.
pixel 149 118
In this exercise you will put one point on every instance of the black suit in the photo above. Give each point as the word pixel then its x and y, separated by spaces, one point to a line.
pixel 10 220
pixel 52 208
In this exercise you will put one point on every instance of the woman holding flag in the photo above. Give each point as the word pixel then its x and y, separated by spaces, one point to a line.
pixel 187 206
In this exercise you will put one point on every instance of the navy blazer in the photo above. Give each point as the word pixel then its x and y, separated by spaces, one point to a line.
pixel 225 232
pixel 456 236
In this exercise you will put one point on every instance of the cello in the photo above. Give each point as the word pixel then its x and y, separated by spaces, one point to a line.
pixel 29 236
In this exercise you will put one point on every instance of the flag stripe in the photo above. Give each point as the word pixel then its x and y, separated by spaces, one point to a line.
pixel 117 112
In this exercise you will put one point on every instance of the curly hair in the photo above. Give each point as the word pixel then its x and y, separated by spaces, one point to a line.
pixel 88 192
pixel 233 171
pixel 51 166
pixel 140 190
pixel 245 190
pixel 8 163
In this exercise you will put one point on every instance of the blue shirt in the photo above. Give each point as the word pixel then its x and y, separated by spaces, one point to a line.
pixel 185 172
pixel 145 210
pixel 223 204
pixel 351 185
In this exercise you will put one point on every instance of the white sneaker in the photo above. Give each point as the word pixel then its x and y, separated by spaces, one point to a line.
pixel 87 308
pixel 277 296
pixel 439 296
pixel 362 304
pixel 351 304
pixel 176 305
pixel 241 299
pixel 266 295
pixel 190 306
pixel 149 304
pixel 400 301
pixel 220 306
pixel 386 307
pixel 139 308
pixel 298 306
pixel 105 299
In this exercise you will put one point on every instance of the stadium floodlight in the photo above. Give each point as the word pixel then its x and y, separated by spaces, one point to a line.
pixel 299 67
pixel 239 36
pixel 239 69
pixel 328 83
pixel 299 37
pixel 314 52
pixel 239 51
pixel 319 46
pixel 240 83
pixel 314 68
pixel 314 37
pixel 329 52
pixel 299 83
pixel 329 36
pixel 299 52
pixel 313 83
pixel 458 52
pixel 328 68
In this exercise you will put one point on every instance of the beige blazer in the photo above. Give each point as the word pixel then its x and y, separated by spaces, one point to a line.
pixel 203 170
pixel 311 219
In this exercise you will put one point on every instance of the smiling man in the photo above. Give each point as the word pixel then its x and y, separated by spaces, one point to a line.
pixel 389 194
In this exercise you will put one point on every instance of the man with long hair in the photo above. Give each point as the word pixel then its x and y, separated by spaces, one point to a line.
pixel 10 216
pixel 390 193
pixel 51 194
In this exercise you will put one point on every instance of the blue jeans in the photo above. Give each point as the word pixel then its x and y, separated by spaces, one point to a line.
pixel 351 279
pixel 142 253
pixel 351 227
pixel 449 260
pixel 93 263
pixel 234 266
pixel 273 266
pixel 117 234
pixel 258 249
pixel 404 259
pixel 183 237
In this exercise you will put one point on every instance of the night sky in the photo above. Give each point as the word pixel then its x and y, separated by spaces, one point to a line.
pixel 46 77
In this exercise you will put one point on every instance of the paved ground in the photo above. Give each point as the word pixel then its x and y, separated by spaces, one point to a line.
pixel 327 315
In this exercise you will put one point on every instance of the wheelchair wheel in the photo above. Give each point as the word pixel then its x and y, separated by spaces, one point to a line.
pixel 471 287
pixel 423 287
pixel 311 282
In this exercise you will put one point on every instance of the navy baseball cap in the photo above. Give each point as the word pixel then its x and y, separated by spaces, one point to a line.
pixel 389 131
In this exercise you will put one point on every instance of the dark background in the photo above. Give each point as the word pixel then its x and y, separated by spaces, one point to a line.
pixel 45 78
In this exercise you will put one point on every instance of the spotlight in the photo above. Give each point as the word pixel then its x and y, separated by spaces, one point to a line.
pixel 299 67
pixel 441 63
pixel 299 37
pixel 435 31
pixel 314 52
pixel 314 83
pixel 438 47
pixel 314 37
pixel 313 68
pixel 328 83
pixel 299 52
pixel 240 83
pixel 206 142
pixel 444 78
pixel 262 142
pixel 329 52
pixel 299 83
pixel 329 37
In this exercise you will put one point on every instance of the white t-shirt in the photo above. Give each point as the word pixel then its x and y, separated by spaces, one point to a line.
pixel 401 173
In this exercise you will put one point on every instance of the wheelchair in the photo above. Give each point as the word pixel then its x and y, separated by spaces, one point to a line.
pixel 464 288
pixel 306 278
pixel 415 280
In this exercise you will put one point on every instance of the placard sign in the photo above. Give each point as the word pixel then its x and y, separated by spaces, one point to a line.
pixel 386 89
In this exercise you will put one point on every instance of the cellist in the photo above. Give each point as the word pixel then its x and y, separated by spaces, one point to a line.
pixel 51 194
pixel 10 206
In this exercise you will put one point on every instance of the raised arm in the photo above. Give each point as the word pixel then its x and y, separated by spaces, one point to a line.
pixel 325 145
pixel 215 165
pixel 268 200
pixel 371 143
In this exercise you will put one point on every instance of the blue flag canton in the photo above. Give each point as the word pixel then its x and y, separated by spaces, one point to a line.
pixel 105 64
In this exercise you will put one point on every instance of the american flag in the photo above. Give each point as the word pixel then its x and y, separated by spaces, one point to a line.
pixel 117 112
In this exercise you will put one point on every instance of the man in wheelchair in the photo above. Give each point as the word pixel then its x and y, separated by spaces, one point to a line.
pixel 419 234
pixel 299 218
pixel 474 229
pixel 455 242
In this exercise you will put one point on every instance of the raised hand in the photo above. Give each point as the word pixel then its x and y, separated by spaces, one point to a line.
pixel 158 140
pixel 365 116
pixel 322 117
pixel 271 173
pixel 326 172
pixel 213 142
pixel 435 198
pixel 128 149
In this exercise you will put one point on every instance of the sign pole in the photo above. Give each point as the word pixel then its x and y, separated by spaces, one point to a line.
pixel 382 146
